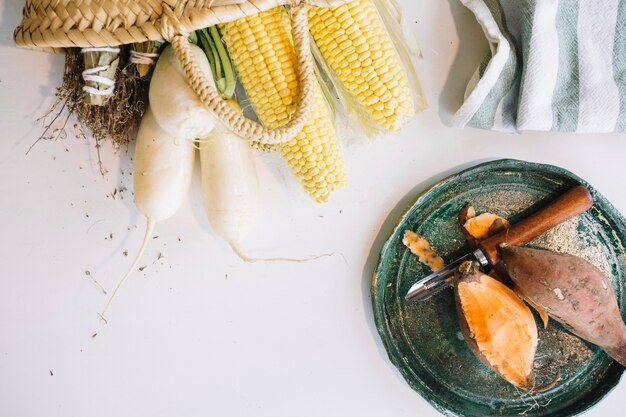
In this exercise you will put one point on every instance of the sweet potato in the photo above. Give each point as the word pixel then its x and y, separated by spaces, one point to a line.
pixel 499 328
pixel 573 292
pixel 544 316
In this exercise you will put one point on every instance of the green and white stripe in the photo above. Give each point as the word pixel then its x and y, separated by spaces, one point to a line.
pixel 570 75
pixel 619 64
pixel 484 101
pixel 566 92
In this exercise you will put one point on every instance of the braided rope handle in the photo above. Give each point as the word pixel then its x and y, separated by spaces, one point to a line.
pixel 259 135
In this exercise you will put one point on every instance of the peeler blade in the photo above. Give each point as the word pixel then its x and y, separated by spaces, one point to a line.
pixel 435 282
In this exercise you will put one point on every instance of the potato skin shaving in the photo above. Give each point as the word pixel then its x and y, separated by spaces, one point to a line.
pixel 420 247
pixel 467 212
pixel 485 225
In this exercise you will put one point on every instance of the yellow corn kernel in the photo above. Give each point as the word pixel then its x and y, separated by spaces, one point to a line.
pixel 354 33
pixel 268 74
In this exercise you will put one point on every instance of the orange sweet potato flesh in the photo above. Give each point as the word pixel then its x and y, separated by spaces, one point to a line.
pixel 486 225
pixel 573 292
pixel 497 325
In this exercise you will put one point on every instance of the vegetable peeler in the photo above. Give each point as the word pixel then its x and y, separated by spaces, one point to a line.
pixel 572 203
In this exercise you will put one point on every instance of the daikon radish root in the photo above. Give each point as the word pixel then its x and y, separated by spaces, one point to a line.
pixel 421 248
pixel 164 153
pixel 163 170
pixel 573 292
pixel 230 187
pixel 496 324
pixel 162 177
pixel 174 104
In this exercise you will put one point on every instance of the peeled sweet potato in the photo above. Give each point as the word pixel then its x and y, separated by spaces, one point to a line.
pixel 573 292
pixel 544 316
pixel 486 225
pixel 497 325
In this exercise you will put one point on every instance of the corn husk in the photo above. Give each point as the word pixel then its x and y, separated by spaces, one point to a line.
pixel 355 122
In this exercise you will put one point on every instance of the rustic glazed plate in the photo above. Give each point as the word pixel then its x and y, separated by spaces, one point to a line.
pixel 423 339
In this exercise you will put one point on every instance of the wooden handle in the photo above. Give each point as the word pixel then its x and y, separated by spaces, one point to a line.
pixel 572 203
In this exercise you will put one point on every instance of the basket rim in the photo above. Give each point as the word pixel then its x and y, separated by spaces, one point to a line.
pixel 56 24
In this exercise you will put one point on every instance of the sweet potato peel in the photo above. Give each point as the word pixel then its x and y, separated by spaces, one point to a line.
pixel 467 212
pixel 420 247
pixel 485 225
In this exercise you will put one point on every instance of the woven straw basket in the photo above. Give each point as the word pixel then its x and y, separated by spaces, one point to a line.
pixel 53 24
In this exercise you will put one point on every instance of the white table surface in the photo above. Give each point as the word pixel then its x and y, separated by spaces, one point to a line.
pixel 198 332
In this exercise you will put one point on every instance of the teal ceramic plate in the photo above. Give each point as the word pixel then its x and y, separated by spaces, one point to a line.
pixel 423 339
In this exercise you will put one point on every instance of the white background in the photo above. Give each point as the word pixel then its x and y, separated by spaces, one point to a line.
pixel 198 332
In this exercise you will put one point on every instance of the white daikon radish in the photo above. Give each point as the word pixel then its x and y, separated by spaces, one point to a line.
pixel 164 153
pixel 162 177
pixel 174 104
pixel 230 188
pixel 163 170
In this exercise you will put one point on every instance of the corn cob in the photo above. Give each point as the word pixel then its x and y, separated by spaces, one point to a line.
pixel 353 40
pixel 262 51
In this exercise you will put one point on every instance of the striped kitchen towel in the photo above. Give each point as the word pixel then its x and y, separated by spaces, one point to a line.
pixel 554 65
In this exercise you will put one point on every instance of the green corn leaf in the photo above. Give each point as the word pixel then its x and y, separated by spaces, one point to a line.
pixel 225 60
pixel 193 38
pixel 204 43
